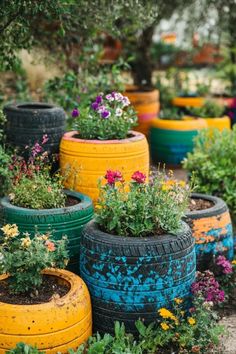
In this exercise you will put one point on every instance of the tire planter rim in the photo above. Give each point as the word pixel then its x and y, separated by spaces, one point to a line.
pixel 36 106
pixel 186 124
pixel 219 204
pixel 67 276
pixel 85 201
pixel 136 136
pixel 129 240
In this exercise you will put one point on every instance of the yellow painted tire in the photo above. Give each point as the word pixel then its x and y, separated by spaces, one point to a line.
pixel 54 326
pixel 147 106
pixel 83 162
pixel 188 101
pixel 188 123
pixel 219 123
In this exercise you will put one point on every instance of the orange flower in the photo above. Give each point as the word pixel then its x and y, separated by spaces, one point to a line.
pixel 50 246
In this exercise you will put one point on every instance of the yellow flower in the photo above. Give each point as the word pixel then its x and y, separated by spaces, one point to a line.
pixel 191 321
pixel 182 313
pixel 164 326
pixel 234 261
pixel 163 312
pixel 10 230
pixel 26 242
pixel 178 300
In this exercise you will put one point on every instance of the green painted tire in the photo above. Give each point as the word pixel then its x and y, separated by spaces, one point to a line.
pixel 170 146
pixel 67 221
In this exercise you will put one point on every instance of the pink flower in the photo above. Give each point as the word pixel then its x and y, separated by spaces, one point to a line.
pixel 113 176
pixel 45 139
pixel 50 246
pixel 138 177
pixel 224 264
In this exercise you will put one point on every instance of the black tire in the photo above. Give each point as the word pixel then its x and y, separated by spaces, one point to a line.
pixel 28 122
pixel 212 229
pixel 131 277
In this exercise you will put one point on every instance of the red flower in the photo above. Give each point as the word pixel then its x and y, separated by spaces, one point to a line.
pixel 138 177
pixel 50 246
pixel 113 176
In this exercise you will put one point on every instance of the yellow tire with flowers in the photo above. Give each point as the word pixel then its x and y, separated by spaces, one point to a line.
pixel 83 162
pixel 53 327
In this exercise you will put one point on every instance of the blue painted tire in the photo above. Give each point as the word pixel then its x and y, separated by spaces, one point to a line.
pixel 212 230
pixel 131 278
pixel 170 146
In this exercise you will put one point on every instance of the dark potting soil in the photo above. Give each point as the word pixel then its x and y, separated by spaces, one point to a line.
pixel 49 289
pixel 199 204
pixel 71 201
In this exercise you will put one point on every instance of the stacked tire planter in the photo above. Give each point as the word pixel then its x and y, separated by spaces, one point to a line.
pixel 171 140
pixel 147 106
pixel 28 122
pixel 67 221
pixel 54 326
pixel 131 277
pixel 83 162
pixel 220 123
pixel 184 102
pixel 212 230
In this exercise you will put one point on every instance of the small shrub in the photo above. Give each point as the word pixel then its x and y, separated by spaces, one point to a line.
pixel 171 113
pixel 213 162
pixel 5 173
pixel 210 109
pixel 22 348
pixel 140 209
pixel 24 259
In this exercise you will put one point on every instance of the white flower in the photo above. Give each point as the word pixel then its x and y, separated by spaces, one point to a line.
pixel 118 96
pixel 119 112
pixel 109 97
pixel 125 101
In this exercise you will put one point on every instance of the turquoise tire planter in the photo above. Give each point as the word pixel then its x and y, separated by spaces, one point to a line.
pixel 67 221
pixel 132 277
pixel 170 146
pixel 212 230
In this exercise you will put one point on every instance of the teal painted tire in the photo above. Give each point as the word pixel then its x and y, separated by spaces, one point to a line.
pixel 67 221
pixel 170 146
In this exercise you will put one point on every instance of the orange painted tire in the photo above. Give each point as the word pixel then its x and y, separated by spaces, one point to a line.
pixel 188 101
pixel 83 162
pixel 147 106
pixel 212 230
pixel 54 326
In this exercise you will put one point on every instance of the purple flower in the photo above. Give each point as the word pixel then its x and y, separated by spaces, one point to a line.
pixel 225 265
pixel 95 106
pixel 36 149
pixel 125 101
pixel 45 139
pixel 75 113
pixel 109 97
pixel 105 114
pixel 98 99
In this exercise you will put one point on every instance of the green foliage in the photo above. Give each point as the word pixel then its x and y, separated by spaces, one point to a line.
pixel 138 209
pixel 181 331
pixel 213 162
pixel 5 173
pixel 108 117
pixel 227 70
pixel 40 191
pixel 24 259
pixel 210 109
pixel 172 113
pixel 120 343
pixel 22 348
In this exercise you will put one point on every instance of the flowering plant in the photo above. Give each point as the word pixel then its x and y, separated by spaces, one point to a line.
pixel 24 259
pixel 225 273
pixel 108 117
pixel 182 331
pixel 208 287
pixel 32 185
pixel 141 209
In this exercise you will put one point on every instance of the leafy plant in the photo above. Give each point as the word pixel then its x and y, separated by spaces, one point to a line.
pixel 210 109
pixel 24 259
pixel 139 209
pixel 5 172
pixel 171 113
pixel 108 117
pixel 213 162
pixel 32 185
pixel 22 348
